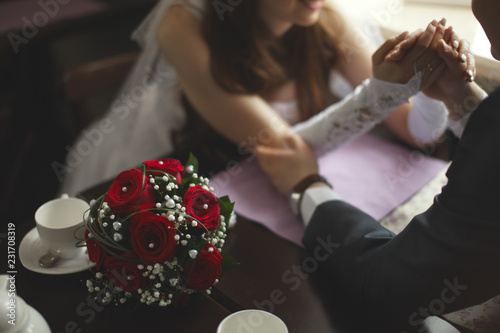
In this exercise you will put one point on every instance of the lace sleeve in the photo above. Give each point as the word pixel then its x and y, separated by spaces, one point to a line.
pixel 356 114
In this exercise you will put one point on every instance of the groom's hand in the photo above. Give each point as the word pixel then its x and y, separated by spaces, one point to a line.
pixel 460 67
pixel 415 52
pixel 287 166
pixel 456 87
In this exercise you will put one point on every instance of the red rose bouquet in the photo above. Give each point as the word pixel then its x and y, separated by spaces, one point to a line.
pixel 157 235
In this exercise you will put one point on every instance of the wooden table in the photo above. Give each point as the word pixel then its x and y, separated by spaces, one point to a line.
pixel 278 276
pixel 64 303
pixel 270 277
pixel 274 275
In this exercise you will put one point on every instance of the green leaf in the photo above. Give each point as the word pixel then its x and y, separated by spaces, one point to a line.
pixel 192 160
pixel 226 207
pixel 188 177
pixel 225 199
pixel 187 180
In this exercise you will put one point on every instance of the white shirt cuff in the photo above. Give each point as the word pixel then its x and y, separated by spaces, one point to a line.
pixel 313 197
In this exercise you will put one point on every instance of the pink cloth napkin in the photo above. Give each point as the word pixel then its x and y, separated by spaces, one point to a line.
pixel 369 173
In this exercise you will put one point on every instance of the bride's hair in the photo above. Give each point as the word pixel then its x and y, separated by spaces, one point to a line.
pixel 246 58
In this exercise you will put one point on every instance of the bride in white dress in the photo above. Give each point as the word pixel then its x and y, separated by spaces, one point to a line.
pixel 178 70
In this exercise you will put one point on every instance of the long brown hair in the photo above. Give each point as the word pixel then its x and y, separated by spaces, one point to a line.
pixel 246 58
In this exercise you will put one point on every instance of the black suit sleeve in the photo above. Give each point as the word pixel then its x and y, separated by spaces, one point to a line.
pixel 445 260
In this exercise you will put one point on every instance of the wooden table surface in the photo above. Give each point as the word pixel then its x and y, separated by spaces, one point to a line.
pixel 274 275
pixel 64 303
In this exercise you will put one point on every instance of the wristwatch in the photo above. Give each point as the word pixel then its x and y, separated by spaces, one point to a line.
pixel 297 192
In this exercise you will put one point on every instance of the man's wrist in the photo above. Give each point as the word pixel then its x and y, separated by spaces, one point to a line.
pixel 314 197
pixel 464 101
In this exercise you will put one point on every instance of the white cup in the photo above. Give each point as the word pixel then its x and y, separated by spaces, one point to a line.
pixel 59 223
pixel 252 321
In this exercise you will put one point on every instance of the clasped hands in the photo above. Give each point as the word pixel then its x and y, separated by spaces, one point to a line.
pixel 447 67
pixel 443 58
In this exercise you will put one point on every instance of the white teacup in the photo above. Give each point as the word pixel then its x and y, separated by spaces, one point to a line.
pixel 252 321
pixel 59 223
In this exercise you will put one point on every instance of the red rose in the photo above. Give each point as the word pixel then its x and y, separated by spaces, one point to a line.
pixel 147 206
pixel 205 270
pixel 124 274
pixel 96 254
pixel 152 237
pixel 168 165
pixel 203 206
pixel 124 192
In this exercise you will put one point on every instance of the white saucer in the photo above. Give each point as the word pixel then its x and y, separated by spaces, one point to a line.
pixel 31 248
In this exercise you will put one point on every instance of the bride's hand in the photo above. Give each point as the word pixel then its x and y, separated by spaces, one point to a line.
pixel 399 51
pixel 456 86
pixel 287 166
pixel 465 61
pixel 420 54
